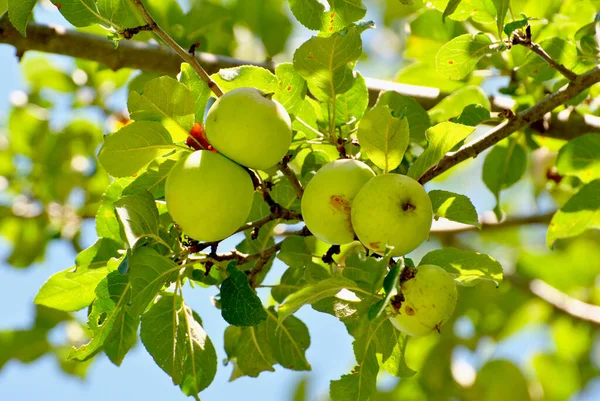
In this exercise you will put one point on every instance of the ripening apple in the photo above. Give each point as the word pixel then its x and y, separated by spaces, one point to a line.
pixel 328 196
pixel 392 210
pixel 208 195
pixel 250 128
pixel 427 300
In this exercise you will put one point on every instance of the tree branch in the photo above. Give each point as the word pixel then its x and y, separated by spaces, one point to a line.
pixel 489 224
pixel 186 56
pixel 520 120
pixel 162 60
pixel 561 302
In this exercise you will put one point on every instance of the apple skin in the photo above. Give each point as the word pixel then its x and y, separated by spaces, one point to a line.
pixel 429 299
pixel 208 195
pixel 328 196
pixel 393 210
pixel 250 128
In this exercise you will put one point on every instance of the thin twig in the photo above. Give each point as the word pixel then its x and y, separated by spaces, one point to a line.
pixel 281 214
pixel 526 41
pixel 289 173
pixel 489 225
pixel 189 58
pixel 521 120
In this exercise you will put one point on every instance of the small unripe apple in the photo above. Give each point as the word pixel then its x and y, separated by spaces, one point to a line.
pixel 208 195
pixel 250 128
pixel 427 300
pixel 197 139
pixel 392 210
pixel 328 196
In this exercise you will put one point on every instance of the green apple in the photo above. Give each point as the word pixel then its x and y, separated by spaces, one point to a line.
pixel 208 195
pixel 392 210
pixel 250 128
pixel 328 196
pixel 427 300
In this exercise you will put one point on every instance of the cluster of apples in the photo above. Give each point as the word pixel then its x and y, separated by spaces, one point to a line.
pixel 208 192
pixel 345 201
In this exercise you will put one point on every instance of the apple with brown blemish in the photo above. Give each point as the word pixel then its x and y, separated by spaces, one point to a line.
pixel 392 210
pixel 426 301
pixel 328 197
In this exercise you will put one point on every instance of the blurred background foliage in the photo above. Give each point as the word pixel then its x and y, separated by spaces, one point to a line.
pixel 504 343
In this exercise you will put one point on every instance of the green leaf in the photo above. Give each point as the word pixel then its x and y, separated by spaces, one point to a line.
pixel 513 26
pixel 390 286
pixel 138 216
pixel 455 104
pixel 23 345
pixel 361 384
pixel 580 213
pixel 459 57
pixel 240 304
pixel 291 89
pixel 512 386
pixel 451 7
pixel 172 333
pixel 3 7
pixel 98 254
pixel 481 11
pixel 166 101
pixel 80 13
pixel 502 7
pixel 453 207
pixel 560 377
pixel 562 51
pixel 108 318
pixel 107 224
pixel 341 13
pixel 289 341
pixel 441 139
pixel 313 293
pixel 379 333
pixel 503 167
pixel 19 13
pixel 349 106
pixel 384 137
pixel 148 273
pixel 467 267
pixel 154 178
pixel 116 11
pixel 473 115
pixel 580 157
pixel 396 363
pixel 418 119
pixel 249 349
pixel 246 76
pixel 296 251
pixel 269 21
pixel 129 150
pixel 367 272
pixel 70 290
pixel 198 88
pixel 327 63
